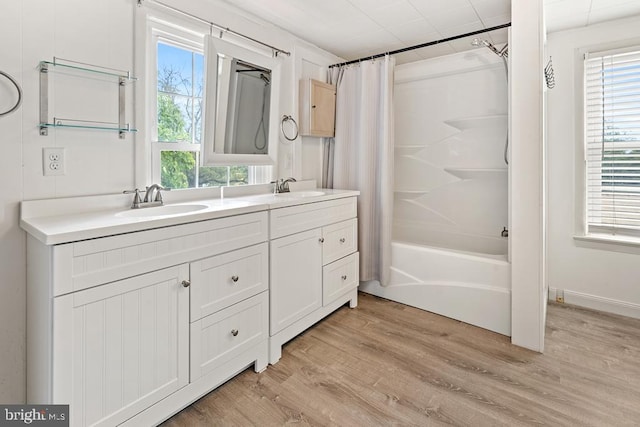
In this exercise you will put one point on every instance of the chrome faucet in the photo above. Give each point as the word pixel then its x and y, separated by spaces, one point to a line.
pixel 149 199
pixel 148 196
pixel 282 185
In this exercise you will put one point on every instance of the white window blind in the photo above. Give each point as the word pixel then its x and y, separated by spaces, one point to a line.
pixel 612 133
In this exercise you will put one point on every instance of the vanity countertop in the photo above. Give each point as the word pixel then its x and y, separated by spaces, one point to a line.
pixel 283 200
pixel 58 221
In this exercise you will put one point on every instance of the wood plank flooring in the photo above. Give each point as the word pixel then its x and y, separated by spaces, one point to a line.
pixel 385 364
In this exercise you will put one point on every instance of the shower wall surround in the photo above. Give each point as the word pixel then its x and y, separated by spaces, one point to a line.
pixel 451 129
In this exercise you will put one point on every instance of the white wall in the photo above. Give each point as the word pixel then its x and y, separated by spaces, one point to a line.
pixel 98 32
pixel 527 175
pixel 12 241
pixel 591 274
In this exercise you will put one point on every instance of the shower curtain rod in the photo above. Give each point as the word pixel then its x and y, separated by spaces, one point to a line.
pixel 220 27
pixel 418 46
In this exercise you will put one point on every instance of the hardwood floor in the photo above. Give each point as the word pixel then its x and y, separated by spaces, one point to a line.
pixel 385 363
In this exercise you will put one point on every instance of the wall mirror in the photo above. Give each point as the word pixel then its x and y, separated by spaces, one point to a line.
pixel 241 105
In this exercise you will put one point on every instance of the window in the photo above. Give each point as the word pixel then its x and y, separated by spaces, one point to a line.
pixel 177 137
pixel 612 139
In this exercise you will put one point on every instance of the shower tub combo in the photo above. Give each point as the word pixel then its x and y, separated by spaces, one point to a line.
pixel 450 247
pixel 468 286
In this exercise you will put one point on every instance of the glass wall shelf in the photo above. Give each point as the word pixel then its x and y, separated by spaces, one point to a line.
pixel 93 68
pixel 122 78
pixel 88 125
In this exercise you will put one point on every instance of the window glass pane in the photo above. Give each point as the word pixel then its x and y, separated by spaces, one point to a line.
pixel 175 69
pixel 180 87
pixel 198 74
pixel 214 176
pixel 178 169
pixel 174 121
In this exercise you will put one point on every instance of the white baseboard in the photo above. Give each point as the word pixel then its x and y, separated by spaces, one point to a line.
pixel 595 302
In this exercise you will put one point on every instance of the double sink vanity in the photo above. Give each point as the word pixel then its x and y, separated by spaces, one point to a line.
pixel 133 314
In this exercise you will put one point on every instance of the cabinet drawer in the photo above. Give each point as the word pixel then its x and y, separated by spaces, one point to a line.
pixel 88 263
pixel 340 240
pixel 220 281
pixel 294 219
pixel 220 337
pixel 339 277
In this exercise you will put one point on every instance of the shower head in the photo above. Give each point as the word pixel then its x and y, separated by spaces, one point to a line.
pixel 503 53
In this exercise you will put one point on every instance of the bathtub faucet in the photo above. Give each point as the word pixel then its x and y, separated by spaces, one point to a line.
pixel 505 232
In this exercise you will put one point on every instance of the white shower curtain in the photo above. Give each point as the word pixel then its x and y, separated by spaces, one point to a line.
pixel 363 157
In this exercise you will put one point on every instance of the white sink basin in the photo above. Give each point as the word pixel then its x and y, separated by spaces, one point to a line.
pixel 310 193
pixel 166 210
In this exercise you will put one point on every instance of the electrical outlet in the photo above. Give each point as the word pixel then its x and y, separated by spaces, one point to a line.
pixel 53 161
pixel 560 296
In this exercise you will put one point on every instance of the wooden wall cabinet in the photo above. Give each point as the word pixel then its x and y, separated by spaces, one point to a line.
pixel 317 108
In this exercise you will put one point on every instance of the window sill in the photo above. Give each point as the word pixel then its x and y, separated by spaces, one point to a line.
pixel 615 243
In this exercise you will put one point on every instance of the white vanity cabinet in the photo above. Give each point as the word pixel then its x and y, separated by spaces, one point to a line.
pixel 131 328
pixel 313 268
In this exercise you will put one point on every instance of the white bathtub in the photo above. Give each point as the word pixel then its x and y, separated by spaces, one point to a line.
pixel 472 287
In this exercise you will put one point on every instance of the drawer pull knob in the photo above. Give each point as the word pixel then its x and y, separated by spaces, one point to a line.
pixel 342 240
pixel 186 283
pixel 234 332
pixel 321 240
pixel 234 278
pixel 344 277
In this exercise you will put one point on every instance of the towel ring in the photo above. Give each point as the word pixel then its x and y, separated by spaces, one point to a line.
pixel 287 118
pixel 15 83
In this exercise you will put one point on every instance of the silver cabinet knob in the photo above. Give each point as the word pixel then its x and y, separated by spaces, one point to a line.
pixel 342 240
pixel 234 278
pixel 344 277
pixel 234 332
pixel 186 283
pixel 321 240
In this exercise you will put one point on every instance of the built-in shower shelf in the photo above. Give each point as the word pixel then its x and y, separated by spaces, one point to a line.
pixel 475 173
pixel 497 120
pixel 409 194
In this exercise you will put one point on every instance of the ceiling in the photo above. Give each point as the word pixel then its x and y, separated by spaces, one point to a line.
pixel 353 29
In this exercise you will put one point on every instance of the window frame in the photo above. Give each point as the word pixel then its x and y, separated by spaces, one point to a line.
pixel 174 37
pixel 153 25
pixel 585 230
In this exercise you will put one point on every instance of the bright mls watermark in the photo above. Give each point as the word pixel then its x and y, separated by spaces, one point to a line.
pixel 37 415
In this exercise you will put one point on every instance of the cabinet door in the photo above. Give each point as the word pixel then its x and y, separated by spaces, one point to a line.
pixel 296 278
pixel 323 109
pixel 120 347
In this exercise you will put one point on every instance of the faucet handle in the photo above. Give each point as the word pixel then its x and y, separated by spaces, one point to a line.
pixel 136 199
pixel 277 186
